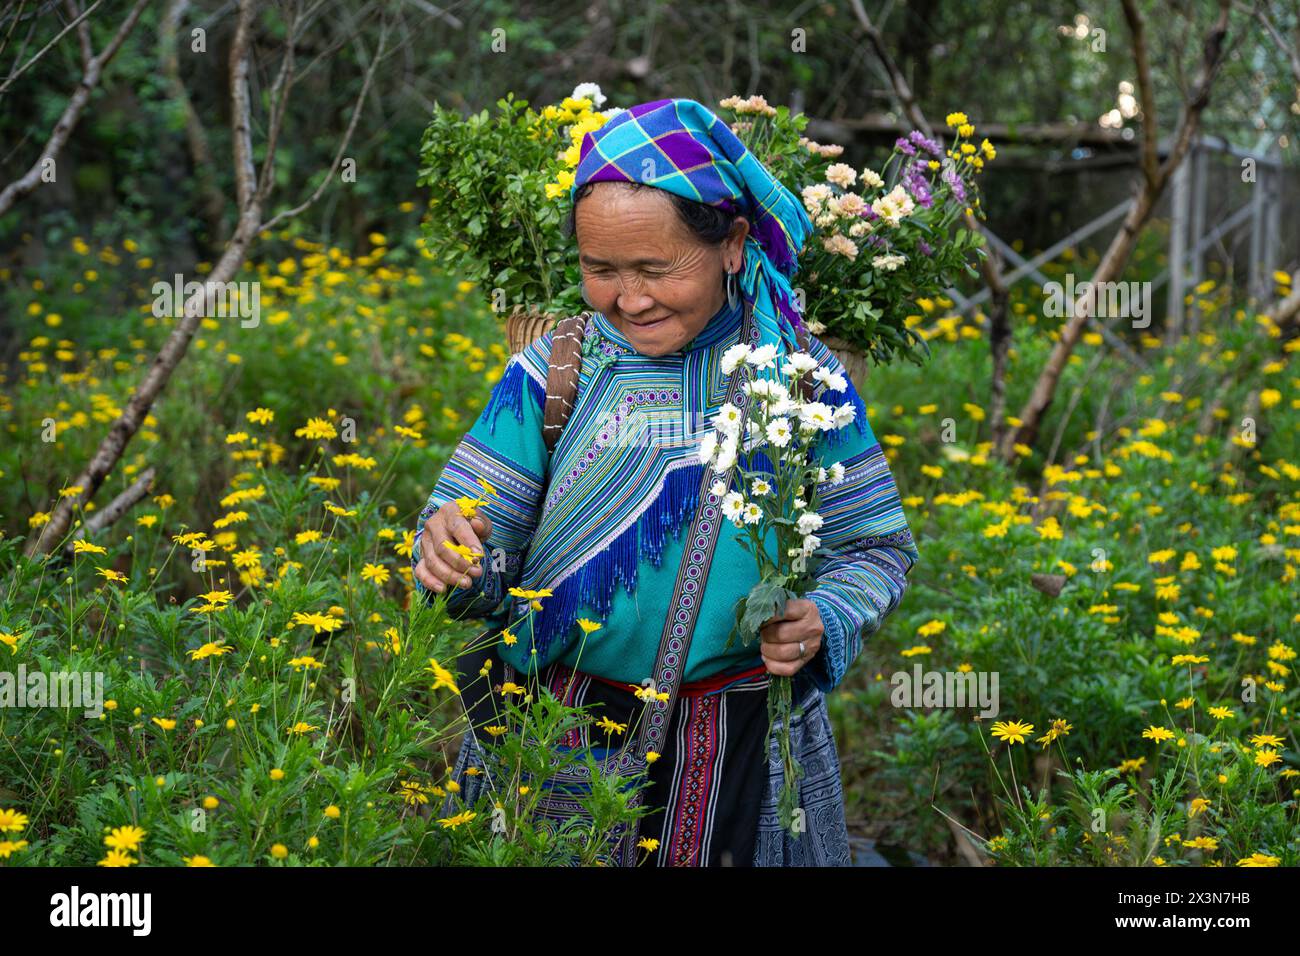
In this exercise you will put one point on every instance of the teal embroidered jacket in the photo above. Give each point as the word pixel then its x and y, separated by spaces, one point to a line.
pixel 605 532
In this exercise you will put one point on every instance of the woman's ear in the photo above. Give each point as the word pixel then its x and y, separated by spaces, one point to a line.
pixel 736 240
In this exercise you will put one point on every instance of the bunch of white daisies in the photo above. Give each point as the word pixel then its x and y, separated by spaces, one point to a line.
pixel 779 423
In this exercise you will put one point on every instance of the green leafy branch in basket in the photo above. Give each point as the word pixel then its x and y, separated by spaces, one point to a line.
pixel 499 186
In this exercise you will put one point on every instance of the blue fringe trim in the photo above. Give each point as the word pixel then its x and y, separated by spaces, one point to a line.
pixel 509 393
pixel 593 584
pixel 833 398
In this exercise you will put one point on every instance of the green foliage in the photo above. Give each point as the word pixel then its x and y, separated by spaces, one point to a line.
pixel 491 218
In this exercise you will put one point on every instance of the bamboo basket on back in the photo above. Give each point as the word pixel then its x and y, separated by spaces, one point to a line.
pixel 524 326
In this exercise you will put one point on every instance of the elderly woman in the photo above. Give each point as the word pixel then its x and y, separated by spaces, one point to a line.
pixel 686 245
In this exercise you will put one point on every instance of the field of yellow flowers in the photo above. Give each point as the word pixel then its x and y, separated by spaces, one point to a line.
pixel 1148 688
pixel 269 693
pixel 272 695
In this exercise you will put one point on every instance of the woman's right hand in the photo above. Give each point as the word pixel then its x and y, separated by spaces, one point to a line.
pixel 440 568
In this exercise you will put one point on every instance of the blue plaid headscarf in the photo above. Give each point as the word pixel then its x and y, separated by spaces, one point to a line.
pixel 680 146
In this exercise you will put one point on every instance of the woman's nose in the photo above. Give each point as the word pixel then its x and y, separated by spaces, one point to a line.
pixel 635 304
pixel 631 300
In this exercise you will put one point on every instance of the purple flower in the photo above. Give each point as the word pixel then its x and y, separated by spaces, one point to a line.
pixel 919 139
pixel 924 247
pixel 904 147
pixel 954 182
pixel 915 182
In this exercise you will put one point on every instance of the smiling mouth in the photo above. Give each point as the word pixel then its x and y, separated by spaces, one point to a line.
pixel 646 325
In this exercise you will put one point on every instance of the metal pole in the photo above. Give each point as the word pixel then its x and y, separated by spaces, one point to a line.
pixel 1258 289
pixel 1047 255
pixel 1200 158
pixel 1178 246
pixel 1093 322
pixel 1273 218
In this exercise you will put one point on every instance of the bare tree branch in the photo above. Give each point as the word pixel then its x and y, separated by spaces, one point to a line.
pixel 13 24
pixel 1148 190
pixel 1146 93
pixel 901 88
pixel 347 138
pixel 211 202
pixel 83 36
pixel 114 443
pixel 72 113
pixel 119 506
pixel 279 103
pixel 990 264
pixel 1290 50
pixel 438 12
pixel 74 24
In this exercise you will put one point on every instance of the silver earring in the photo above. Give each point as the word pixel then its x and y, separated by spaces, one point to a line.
pixel 732 292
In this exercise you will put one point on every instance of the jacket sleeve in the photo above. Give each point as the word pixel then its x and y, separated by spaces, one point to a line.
pixel 504 447
pixel 871 551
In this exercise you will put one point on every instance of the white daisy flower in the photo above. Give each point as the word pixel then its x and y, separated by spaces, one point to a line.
pixel 809 522
pixel 708 448
pixel 729 419
pixel 734 357
pixel 765 389
pixel 778 432
pixel 718 488
pixel 817 415
pixel 752 513
pixel 845 415
pixel 732 505
pixel 799 364
pixel 837 473
pixel 800 503
pixel 832 380
pixel 821 474
pixel 760 487
pixel 783 406
pixel 810 544
pixel 726 456
pixel 762 357
pixel 589 91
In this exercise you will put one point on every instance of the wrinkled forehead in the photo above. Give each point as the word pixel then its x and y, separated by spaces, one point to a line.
pixel 611 224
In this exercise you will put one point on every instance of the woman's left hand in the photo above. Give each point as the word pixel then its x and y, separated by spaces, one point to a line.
pixel 781 636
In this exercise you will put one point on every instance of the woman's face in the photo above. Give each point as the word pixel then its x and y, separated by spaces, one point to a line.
pixel 644 270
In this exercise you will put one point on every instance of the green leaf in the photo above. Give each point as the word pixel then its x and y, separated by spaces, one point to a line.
pixel 765 601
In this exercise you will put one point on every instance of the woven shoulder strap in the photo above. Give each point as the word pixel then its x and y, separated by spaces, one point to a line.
pixel 562 376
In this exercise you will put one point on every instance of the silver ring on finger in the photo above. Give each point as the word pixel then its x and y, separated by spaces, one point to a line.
pixel 802 650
